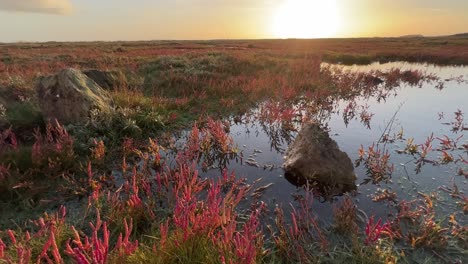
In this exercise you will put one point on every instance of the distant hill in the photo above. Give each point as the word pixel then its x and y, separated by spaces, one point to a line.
pixel 461 35
pixel 412 36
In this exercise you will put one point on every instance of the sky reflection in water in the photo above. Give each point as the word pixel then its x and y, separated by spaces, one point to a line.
pixel 418 115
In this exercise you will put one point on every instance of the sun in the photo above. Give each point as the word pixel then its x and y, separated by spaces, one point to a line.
pixel 306 19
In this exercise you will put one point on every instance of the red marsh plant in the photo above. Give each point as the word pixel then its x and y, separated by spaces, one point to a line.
pixel 193 215
pixel 412 77
pixel 56 227
pixel 426 147
pixel 410 147
pixel 344 217
pixel 349 112
pixel 286 93
pixel 208 145
pixel 374 230
pixel 52 154
pixel 201 211
pixel 23 252
pixel 384 195
pixel 430 234
pixel 420 227
pixel 455 193
pixel 458 231
pixel 279 112
pixel 218 132
pixel 134 199
pixel 41 245
pixel 447 143
pixel 97 249
pixel 377 163
pixel 458 125
pixel 302 240
pixel 366 116
pixel 54 149
pixel 249 240
pixel 245 245
pixel 446 157
pixel 154 149
pixel 351 83
pixel 446 148
pixel 205 212
pixel 48 244
pixel 98 151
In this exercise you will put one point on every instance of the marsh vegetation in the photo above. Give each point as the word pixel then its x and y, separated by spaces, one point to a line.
pixel 187 167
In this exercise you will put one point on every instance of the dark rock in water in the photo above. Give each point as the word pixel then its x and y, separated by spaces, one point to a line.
pixel 315 158
pixel 70 97
pixel 108 80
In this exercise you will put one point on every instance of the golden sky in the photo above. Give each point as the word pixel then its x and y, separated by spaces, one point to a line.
pixel 73 20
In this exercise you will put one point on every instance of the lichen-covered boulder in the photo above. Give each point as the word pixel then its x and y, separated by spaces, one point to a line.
pixel 109 80
pixel 70 97
pixel 315 158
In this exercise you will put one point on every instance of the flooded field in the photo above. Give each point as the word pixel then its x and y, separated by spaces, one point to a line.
pixel 402 117
pixel 234 132
pixel 324 163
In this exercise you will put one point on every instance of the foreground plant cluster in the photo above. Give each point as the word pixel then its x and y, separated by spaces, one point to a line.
pixel 169 214
pixel 119 189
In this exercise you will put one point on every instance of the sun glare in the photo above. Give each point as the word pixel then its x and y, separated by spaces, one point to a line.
pixel 306 19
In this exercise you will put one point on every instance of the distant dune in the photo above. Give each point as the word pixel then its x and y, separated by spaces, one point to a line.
pixel 460 35
pixel 412 36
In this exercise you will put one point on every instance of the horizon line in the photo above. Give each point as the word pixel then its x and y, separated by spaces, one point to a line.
pixel 231 39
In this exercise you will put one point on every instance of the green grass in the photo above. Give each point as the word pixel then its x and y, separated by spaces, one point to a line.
pixel 198 249
pixel 23 116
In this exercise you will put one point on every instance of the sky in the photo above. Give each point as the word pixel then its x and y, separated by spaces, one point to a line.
pixel 89 20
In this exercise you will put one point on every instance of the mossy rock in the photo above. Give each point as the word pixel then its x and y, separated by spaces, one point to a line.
pixel 71 97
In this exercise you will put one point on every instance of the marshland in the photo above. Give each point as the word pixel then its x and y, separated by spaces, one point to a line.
pixel 185 164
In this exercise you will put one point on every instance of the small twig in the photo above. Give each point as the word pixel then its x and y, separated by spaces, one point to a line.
pixel 389 126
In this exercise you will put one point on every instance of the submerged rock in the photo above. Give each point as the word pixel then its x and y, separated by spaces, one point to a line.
pixel 315 158
pixel 70 97
pixel 108 80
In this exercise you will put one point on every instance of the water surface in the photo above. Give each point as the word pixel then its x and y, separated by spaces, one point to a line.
pixel 419 111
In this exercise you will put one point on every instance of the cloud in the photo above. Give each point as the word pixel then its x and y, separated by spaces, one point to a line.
pixel 60 7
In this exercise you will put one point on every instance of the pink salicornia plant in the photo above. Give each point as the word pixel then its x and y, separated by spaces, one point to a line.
pixel 374 231
pixel 96 249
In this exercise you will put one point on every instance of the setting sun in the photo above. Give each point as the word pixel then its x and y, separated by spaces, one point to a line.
pixel 306 19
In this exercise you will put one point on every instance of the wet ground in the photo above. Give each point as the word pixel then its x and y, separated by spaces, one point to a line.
pixel 406 112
